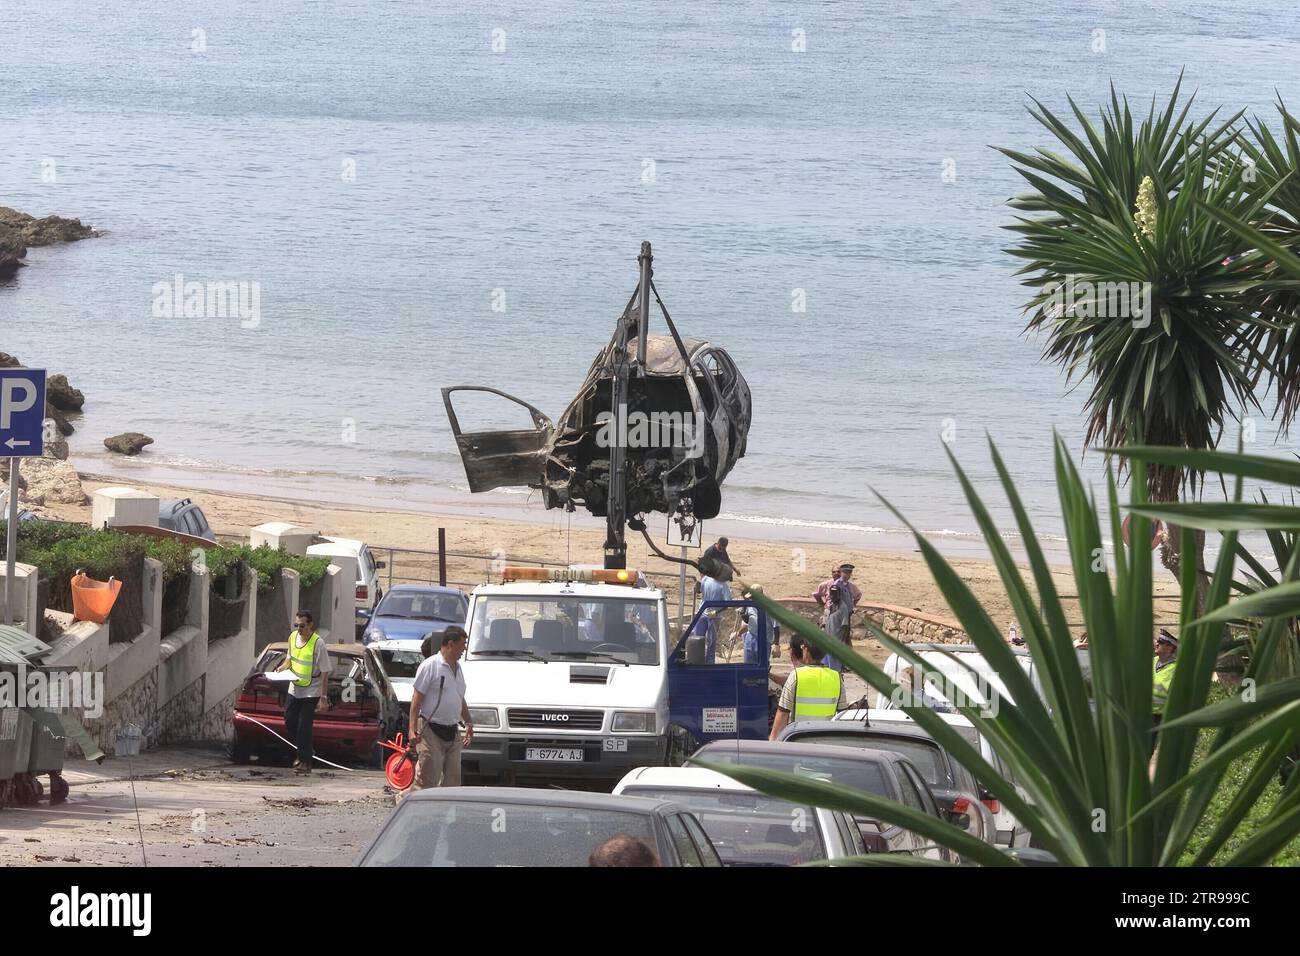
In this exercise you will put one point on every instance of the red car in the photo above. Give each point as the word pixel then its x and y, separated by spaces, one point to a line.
pixel 363 709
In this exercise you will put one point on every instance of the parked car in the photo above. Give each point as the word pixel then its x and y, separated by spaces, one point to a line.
pixel 961 667
pixel 746 827
pixel 368 590
pixel 400 660
pixel 847 729
pixel 507 826
pixel 954 787
pixel 364 708
pixel 409 612
pixel 183 515
pixel 878 772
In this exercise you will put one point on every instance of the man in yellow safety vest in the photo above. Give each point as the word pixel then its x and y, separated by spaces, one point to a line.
pixel 1163 666
pixel 309 660
pixel 812 691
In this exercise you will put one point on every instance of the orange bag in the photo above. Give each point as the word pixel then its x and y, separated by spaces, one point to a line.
pixel 93 600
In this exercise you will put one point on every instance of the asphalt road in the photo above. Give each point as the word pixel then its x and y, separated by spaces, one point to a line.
pixel 195 808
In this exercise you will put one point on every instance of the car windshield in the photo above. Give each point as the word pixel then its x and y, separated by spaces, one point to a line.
pixel 568 629
pixel 925 754
pixel 447 833
pixel 749 829
pixel 423 605
pixel 862 774
pixel 400 664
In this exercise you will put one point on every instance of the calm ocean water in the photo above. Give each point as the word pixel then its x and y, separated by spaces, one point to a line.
pixel 386 172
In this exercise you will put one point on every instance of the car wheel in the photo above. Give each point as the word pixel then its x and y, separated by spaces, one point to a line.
pixel 240 753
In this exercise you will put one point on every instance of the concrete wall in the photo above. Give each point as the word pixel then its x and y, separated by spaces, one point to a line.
pixel 230 658
pixel 25 607
pixel 182 686
pixel 275 610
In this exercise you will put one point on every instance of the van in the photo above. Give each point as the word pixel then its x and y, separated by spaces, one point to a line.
pixel 572 675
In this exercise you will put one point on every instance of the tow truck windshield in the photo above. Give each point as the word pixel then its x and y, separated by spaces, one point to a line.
pixel 601 630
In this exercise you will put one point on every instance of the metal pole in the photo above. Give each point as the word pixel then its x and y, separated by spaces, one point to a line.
pixel 11 541
pixel 681 592
pixel 442 557
pixel 644 260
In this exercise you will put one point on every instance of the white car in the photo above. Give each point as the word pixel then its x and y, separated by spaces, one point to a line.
pixel 746 827
pixel 960 670
pixel 401 659
pixel 1009 831
pixel 368 590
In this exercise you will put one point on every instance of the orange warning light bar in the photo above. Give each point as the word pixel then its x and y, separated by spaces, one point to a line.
pixel 597 576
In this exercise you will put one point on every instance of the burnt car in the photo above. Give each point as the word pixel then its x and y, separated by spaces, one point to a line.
pixel 683 429
pixel 364 709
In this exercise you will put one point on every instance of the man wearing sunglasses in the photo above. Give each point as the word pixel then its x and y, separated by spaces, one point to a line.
pixel 310 662
pixel 1162 675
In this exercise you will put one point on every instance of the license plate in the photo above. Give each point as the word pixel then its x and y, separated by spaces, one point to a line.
pixel 553 753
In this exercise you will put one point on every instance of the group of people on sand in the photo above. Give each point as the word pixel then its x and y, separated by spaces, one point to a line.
pixel 837 597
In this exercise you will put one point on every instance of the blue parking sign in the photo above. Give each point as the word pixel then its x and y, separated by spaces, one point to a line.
pixel 22 412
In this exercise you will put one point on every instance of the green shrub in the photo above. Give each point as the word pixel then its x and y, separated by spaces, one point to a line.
pixel 267 562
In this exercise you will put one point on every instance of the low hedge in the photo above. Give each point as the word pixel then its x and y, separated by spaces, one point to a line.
pixel 59 549
pixel 267 562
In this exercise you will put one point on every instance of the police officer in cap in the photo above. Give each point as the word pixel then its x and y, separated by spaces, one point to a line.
pixel 1163 666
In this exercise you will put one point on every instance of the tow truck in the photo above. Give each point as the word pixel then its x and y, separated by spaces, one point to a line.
pixel 572 676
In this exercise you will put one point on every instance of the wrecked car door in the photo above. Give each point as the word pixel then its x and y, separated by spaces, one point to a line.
pixel 504 457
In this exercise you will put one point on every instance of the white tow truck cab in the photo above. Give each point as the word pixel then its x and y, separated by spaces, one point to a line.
pixel 571 675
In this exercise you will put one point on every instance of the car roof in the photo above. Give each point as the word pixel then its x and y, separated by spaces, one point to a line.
pixel 425 589
pixel 575 590
pixel 898 728
pixel 326 540
pixel 574 799
pixel 963 649
pixel 793 750
pixel 683 778
pixel 896 717
pixel 398 644
pixel 351 649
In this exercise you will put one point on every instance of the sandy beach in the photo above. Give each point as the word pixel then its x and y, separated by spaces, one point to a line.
pixel 787 569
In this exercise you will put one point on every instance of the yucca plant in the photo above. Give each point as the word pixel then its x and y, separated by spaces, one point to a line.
pixel 1080 747
pixel 1125 208
pixel 1275 170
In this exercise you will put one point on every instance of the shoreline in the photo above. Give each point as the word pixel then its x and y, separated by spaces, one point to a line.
pixel 784 567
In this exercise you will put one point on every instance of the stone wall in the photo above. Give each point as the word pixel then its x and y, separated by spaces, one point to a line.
pixel 905 624
pixel 138 705
pixel 218 725
pixel 182 716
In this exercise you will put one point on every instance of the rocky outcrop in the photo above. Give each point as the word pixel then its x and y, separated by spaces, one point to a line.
pixel 128 443
pixel 49 480
pixel 62 395
pixel 60 420
pixel 12 251
pixel 45 231
pixel 19 230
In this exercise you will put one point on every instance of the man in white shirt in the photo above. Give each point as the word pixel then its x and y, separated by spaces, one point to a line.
pixel 437 704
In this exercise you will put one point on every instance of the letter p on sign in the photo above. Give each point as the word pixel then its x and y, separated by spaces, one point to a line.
pixel 22 412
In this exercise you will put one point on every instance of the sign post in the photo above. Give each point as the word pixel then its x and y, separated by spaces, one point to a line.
pixel 22 435
pixel 687 535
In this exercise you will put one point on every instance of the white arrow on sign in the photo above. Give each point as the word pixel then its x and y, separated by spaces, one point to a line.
pixel 15 443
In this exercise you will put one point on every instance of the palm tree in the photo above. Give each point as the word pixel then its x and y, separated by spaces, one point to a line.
pixel 1127 207
pixel 1078 745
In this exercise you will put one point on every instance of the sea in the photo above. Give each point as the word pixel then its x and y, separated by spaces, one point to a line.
pixel 406 195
